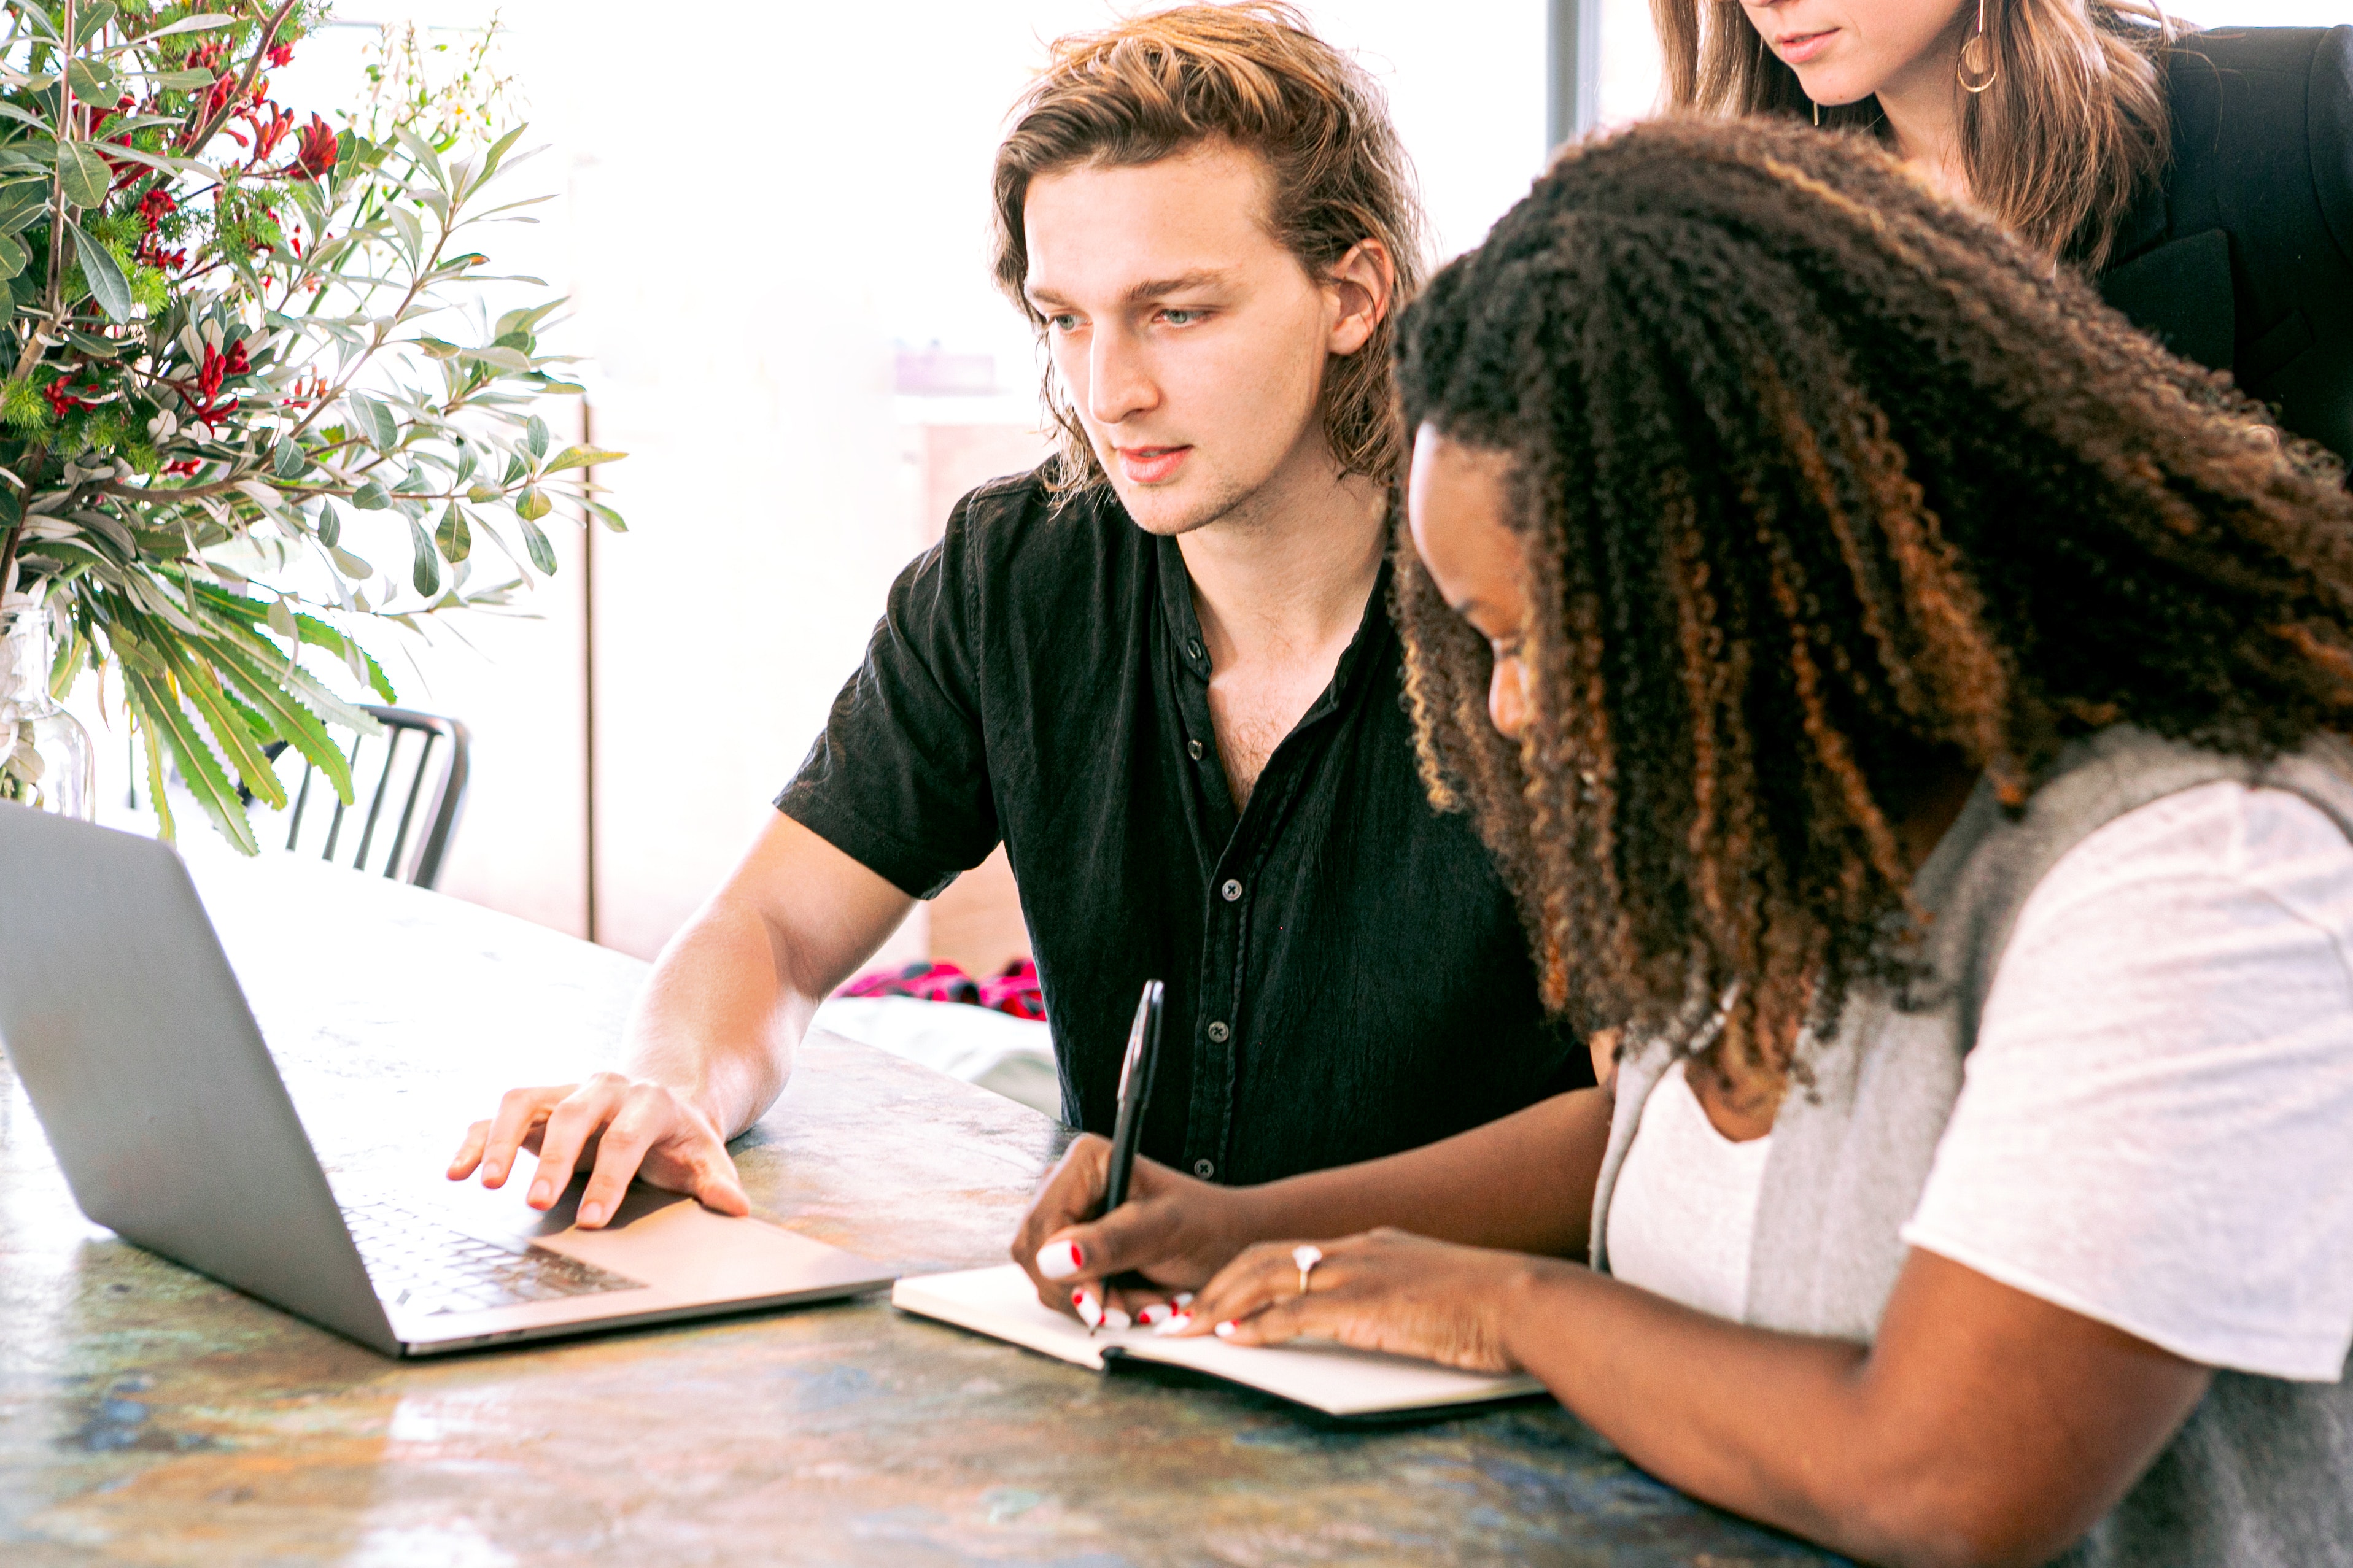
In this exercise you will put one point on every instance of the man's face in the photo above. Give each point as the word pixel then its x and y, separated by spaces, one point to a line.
pixel 1190 341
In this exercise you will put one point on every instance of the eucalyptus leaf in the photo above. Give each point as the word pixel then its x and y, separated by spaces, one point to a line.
pixel 534 435
pixel 534 542
pixel 581 458
pixel 331 527
pixel 82 175
pixel 533 504
pixel 454 538
pixel 482 495
pixel 375 422
pixel 371 496
pixel 426 571
pixel 349 565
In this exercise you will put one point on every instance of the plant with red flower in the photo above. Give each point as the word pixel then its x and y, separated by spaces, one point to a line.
pixel 316 150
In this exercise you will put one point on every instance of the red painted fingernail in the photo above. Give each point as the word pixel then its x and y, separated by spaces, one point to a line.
pixel 1154 1314
pixel 1061 1259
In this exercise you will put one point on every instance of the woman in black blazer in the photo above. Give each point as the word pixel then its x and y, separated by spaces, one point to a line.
pixel 2204 180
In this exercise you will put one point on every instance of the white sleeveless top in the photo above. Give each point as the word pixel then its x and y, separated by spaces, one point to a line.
pixel 1685 1210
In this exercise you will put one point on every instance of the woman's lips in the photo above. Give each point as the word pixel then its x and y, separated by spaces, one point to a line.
pixel 1151 465
pixel 1796 49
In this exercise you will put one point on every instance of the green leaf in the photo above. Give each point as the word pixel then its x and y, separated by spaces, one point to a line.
pixel 532 505
pixel 199 768
pixel 187 24
pixel 182 81
pixel 287 461
pixel 607 516
pixel 157 796
pixel 581 458
pixel 92 84
pixel 22 205
pixel 105 279
pixel 349 565
pixel 282 620
pixel 230 734
pixel 82 175
pixel 375 422
pixel 294 723
pixel 330 527
pixel 12 257
pixel 426 571
pixel 534 542
pixel 534 435
pixel 371 496
pixel 92 20
pixel 454 538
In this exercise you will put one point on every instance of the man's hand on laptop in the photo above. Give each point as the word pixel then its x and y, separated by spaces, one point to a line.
pixel 614 1127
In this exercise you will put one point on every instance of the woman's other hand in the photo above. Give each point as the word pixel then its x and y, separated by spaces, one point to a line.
pixel 1382 1290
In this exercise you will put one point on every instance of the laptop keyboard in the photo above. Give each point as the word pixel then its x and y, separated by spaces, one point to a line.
pixel 428 1266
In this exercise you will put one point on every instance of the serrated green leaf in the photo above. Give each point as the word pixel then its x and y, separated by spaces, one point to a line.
pixel 534 435
pixel 104 279
pixel 230 733
pixel 533 505
pixel 536 544
pixel 454 537
pixel 200 770
pixel 580 458
pixel 293 722
pixel 425 570
pixel 82 175
pixel 370 496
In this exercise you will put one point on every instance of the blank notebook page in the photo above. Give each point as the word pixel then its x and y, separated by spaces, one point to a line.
pixel 1001 1302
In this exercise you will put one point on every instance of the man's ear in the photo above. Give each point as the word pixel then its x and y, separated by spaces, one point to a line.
pixel 1360 287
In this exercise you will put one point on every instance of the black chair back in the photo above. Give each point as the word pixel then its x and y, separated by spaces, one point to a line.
pixel 420 761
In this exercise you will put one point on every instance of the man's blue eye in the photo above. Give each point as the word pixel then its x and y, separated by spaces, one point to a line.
pixel 1065 324
pixel 1179 318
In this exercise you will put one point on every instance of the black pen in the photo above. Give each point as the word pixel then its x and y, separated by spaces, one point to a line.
pixel 1135 1073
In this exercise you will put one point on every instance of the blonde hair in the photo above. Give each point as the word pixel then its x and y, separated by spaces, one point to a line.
pixel 1253 75
pixel 2072 129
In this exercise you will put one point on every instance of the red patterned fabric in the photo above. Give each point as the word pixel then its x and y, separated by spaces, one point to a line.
pixel 1016 991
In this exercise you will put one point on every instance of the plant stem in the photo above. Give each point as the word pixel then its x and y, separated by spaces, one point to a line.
pixel 65 134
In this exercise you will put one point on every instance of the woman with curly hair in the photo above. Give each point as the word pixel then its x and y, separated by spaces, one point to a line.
pixel 1906 705
pixel 2204 178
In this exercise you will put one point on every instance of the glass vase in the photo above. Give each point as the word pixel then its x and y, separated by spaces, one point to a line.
pixel 45 754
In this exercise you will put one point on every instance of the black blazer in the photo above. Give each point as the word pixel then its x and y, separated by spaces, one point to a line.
pixel 2242 257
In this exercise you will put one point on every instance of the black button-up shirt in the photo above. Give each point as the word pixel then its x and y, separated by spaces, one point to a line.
pixel 1346 976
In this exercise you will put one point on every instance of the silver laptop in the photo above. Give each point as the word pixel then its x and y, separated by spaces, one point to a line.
pixel 130 1035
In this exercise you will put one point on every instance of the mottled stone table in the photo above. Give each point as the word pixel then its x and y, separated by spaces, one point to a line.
pixel 148 1415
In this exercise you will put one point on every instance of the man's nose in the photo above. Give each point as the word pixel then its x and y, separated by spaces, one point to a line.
pixel 1119 383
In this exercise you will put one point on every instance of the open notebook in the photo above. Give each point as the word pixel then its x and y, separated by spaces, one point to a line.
pixel 1338 1381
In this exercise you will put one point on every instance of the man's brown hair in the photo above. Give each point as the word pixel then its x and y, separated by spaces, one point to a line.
pixel 1253 75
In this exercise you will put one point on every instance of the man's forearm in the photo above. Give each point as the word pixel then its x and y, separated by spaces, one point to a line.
pixel 1524 1184
pixel 722 1016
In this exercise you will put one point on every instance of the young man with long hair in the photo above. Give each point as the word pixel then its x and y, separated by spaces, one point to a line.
pixel 1160 669
pixel 1912 707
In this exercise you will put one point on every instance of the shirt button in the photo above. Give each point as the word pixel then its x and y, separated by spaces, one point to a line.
pixel 1193 648
pixel 1217 1032
pixel 1205 1169
pixel 1232 890
pixel 1193 750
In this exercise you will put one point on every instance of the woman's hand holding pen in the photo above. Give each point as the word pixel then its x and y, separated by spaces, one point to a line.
pixel 1174 1231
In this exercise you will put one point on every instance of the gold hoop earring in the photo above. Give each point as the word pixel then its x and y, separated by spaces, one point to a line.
pixel 1976 72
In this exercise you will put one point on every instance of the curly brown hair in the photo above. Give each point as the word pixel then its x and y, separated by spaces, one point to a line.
pixel 1829 489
